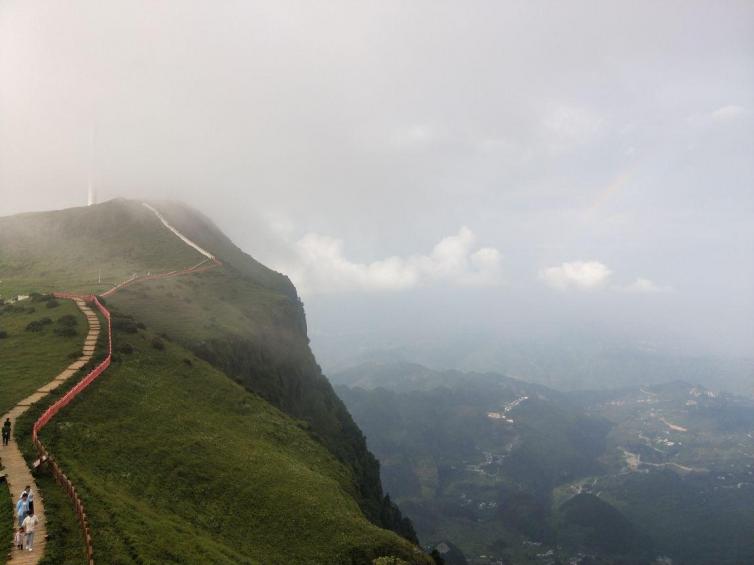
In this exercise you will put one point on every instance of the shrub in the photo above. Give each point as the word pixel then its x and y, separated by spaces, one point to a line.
pixel 52 303
pixel 141 326
pixel 158 344
pixel 3 334
pixel 66 331
pixel 35 326
pixel 45 321
pixel 68 321
pixel 126 325
pixel 127 348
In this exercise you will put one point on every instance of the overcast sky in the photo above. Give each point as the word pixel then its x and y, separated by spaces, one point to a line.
pixel 497 165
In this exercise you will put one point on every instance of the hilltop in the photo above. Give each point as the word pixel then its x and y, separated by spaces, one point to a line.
pixel 229 418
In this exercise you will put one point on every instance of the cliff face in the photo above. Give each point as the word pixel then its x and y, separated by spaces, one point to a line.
pixel 257 336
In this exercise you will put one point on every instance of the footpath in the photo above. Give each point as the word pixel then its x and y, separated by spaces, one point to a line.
pixel 18 473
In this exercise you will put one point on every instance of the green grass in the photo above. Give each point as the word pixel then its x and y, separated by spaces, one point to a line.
pixel 177 464
pixel 6 521
pixel 29 360
pixel 71 249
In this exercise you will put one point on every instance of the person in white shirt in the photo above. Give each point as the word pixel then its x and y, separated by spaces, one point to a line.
pixel 30 522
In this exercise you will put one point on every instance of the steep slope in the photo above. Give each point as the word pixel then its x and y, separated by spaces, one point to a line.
pixel 246 321
pixel 253 328
pixel 178 464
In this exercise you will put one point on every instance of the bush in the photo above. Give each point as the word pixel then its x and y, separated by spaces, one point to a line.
pixel 45 321
pixel 68 321
pixel 35 326
pixel 53 303
pixel 66 331
pixel 127 348
pixel 3 334
pixel 158 344
pixel 125 325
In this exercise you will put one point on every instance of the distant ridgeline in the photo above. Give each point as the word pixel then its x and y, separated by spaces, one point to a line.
pixel 241 320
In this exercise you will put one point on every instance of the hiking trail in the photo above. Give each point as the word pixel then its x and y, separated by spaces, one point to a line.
pixel 18 473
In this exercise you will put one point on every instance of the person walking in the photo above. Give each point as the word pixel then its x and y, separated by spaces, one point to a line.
pixel 29 498
pixel 6 432
pixel 30 522
pixel 22 508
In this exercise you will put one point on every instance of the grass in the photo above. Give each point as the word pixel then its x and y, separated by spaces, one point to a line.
pixel 6 521
pixel 71 249
pixel 178 464
pixel 29 360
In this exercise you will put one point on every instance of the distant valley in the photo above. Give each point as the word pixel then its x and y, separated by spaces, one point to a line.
pixel 512 472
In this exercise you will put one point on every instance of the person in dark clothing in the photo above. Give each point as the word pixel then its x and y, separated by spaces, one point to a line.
pixel 6 431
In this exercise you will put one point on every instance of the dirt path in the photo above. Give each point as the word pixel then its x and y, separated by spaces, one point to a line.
pixel 18 473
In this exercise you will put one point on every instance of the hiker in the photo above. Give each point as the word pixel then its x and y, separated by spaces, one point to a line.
pixel 22 508
pixel 19 538
pixel 29 498
pixel 30 522
pixel 6 431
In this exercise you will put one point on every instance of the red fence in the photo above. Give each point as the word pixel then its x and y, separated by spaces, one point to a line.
pixel 198 268
pixel 50 413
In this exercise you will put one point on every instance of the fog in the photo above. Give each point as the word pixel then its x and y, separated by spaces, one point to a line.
pixel 424 171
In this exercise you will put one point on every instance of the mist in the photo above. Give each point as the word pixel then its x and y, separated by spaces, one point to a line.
pixel 424 171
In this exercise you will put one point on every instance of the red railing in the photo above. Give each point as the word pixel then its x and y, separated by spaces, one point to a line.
pixel 50 413
pixel 198 268
pixel 61 403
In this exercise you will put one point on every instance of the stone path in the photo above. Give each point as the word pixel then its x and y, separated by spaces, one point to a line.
pixel 18 473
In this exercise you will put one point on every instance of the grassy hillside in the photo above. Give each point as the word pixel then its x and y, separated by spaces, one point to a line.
pixel 251 438
pixel 247 321
pixel 177 464
pixel 70 249
pixel 30 359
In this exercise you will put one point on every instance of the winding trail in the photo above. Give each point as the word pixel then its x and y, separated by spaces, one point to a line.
pixel 18 472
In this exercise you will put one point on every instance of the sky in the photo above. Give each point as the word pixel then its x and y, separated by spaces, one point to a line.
pixel 512 168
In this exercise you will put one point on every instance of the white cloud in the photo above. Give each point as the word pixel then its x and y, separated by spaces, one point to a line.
pixel 723 114
pixel 581 275
pixel 644 286
pixel 319 265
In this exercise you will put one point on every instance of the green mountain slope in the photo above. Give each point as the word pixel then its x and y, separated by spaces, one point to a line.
pixel 72 249
pixel 247 323
pixel 178 464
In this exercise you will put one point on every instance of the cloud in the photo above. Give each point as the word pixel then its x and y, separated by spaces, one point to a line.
pixel 581 275
pixel 319 266
pixel 643 286
pixel 724 114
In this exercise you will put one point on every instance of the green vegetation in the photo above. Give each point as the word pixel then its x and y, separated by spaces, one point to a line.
pixel 32 359
pixel 315 492
pixel 71 249
pixel 6 520
pixel 178 464
pixel 482 482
